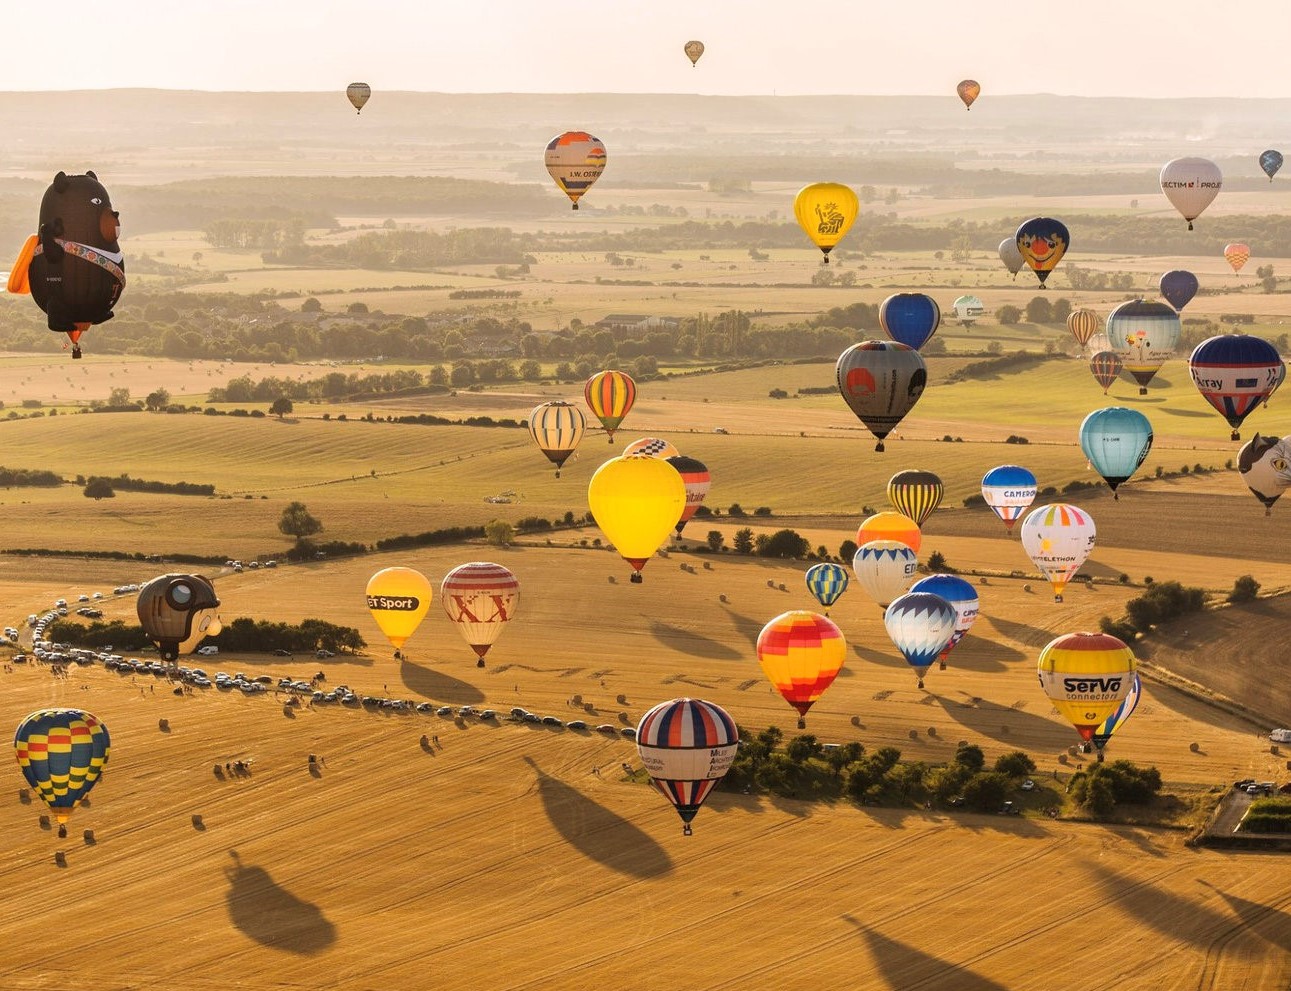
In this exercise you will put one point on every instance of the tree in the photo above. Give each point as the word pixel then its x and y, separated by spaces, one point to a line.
pixel 1245 589
pixel 499 533
pixel 802 748
pixel 785 543
pixel 99 488
pixel 847 550
pixel 296 521
pixel 970 756
pixel 1015 764
pixel 311 305
pixel 937 561
pixel 736 510
pixel 1039 310
pixel 985 792
pixel 120 396
pixel 281 407
pixel 715 540
pixel 158 399
pixel 1008 315
pixel 744 541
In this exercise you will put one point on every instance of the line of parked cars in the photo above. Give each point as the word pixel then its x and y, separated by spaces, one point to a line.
pixel 521 715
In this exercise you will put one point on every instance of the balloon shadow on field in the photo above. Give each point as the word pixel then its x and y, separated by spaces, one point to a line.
pixel 982 656
pixel 599 834
pixel 1168 913
pixel 882 658
pixel 1023 633
pixel 1018 728
pixel 272 916
pixel 434 685
pixel 902 966
pixel 746 627
pixel 689 642
pixel 1265 921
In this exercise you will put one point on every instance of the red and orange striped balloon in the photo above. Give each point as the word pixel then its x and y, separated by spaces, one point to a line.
pixel 801 653
pixel 610 396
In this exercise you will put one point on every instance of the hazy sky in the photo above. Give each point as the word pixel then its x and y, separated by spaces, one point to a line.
pixel 1078 47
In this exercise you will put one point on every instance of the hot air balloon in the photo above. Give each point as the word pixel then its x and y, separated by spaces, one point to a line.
pixel 968 91
pixel 62 754
pixel 1118 718
pixel 1234 373
pixel 963 599
pixel 1086 676
pixel 1270 162
pixel 826 582
pixel 610 396
pixel 890 526
pixel 1058 538
pixel 1115 440
pixel 885 569
pixel 1281 377
pixel 652 447
pixel 556 427
pixel 915 493
pixel 1144 333
pixel 1009 490
pixel 575 160
pixel 695 474
pixel 177 612
pixel 881 381
pixel 358 94
pixel 967 310
pixel 687 746
pixel 693 50
pixel 1190 184
pixel 801 653
pixel 826 211
pixel 1083 324
pixel 636 500
pixel 398 599
pixel 480 597
pixel 1042 241
pixel 921 625
pixel 1265 466
pixel 1011 256
pixel 1106 367
pixel 73 267
pixel 1236 254
pixel 1178 287
pixel 910 318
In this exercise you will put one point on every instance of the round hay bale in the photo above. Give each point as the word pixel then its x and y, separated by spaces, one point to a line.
pixel 914 734
pixel 708 565
pixel 611 577
pixel 1194 747
pixel 770 583
pixel 982 581
pixel 1026 588
pixel 782 588
pixel 1072 751
pixel 721 598
pixel 1062 758
pixel 856 720
pixel 932 730
pixel 621 699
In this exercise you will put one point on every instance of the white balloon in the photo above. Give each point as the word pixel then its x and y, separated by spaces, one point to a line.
pixel 885 569
pixel 1058 538
pixel 1191 184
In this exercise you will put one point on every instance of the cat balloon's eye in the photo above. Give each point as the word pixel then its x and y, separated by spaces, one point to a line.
pixel 97 201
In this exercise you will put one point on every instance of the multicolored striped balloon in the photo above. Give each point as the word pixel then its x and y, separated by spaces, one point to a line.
pixel 610 395
pixel 695 474
pixel 687 746
pixel 1235 373
pixel 1118 718
pixel 62 754
pixel 480 597
pixel 1058 538
pixel 801 653
pixel 1086 676
pixel 1083 324
pixel 557 427
pixel 915 493
pixel 826 582
pixel 1106 367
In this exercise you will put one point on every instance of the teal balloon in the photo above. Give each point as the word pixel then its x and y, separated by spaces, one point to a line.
pixel 1116 440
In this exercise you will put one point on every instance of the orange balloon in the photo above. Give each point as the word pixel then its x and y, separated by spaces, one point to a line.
pixel 890 526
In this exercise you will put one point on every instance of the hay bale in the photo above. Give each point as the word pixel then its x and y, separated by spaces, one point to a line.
pixel 1194 747
pixel 708 565
pixel 914 734
pixel 721 598
pixel 932 730
pixel 88 836
pixel 1062 758
pixel 770 583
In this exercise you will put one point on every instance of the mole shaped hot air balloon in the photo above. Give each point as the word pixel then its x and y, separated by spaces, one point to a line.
pixel 826 212
pixel 1083 324
pixel 1270 162
pixel 920 625
pixel 575 160
pixel 1236 254
pixel 610 395
pixel 1086 676
pixel 177 613
pixel 694 50
pixel 358 94
pixel 1235 373
pixel 963 599
pixel 1191 184
pixel 557 427
pixel 694 474
pixel 62 754
pixel 889 526
pixel 1058 538
pixel 1265 466
pixel 1144 333
pixel 1115 439
pixel 885 569
pixel 1108 727
pixel 1009 490
pixel 636 500
pixel 1106 367
pixel 910 318
pixel 687 746
pixel 826 582
pixel 915 493
pixel 1178 287
pixel 1011 256
pixel 73 267
pixel 481 598
pixel 881 381
pixel 653 447
pixel 968 90
pixel 801 653
pixel 398 599
pixel 1042 241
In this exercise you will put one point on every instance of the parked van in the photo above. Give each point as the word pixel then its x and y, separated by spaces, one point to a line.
pixel 1281 736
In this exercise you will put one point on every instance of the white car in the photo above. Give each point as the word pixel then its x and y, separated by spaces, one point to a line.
pixel 209 650
pixel 1028 785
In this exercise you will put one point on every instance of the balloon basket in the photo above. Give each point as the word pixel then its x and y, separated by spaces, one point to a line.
pixel 920 682
pixel 480 663
pixel 686 830
pixel 1234 436
pixel 62 831
pixel 802 723
pixel 1143 390
pixel 575 206
pixel 879 447
pixel 636 579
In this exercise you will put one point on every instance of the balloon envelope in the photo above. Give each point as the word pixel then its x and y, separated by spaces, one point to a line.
pixel 826 212
pixel 1042 241
pixel 1011 256
pixel 653 447
pixel 1009 490
pixel 358 94
pixel 1144 333
pixel 1178 286
pixel 636 500
pixel 1235 373
pixel 1270 162
pixel 1058 538
pixel 890 526
pixel 885 569
pixel 575 160
pixel 62 754
pixel 1116 440
pixel 911 318
pixel 687 746
pixel 177 612
pixel 1237 255
pixel 610 395
pixel 921 625
pixel 826 582
pixel 1086 676
pixel 1190 184
pixel 963 599
pixel 694 474
pixel 480 597
pixel 1083 324
pixel 557 427
pixel 693 50
pixel 1265 466
pixel 968 91
pixel 881 381
pixel 1106 367
pixel 915 493
pixel 801 653
pixel 398 599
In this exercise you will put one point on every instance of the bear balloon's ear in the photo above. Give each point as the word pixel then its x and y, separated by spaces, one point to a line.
pixel 91 175
pixel 60 182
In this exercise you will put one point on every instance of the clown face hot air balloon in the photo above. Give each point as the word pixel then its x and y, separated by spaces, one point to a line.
pixel 1009 490
pixel 801 654
pixel 358 94
pixel 636 500
pixel 73 267
pixel 910 318
pixel 915 493
pixel 575 160
pixel 885 569
pixel 1106 367
pixel 826 582
pixel 178 613
pixel 881 381
pixel 968 91
pixel 1235 373
pixel 557 427
pixel 826 212
pixel 1086 676
pixel 1108 727
pixel 1083 324
pixel 693 50
pixel 1042 241
pixel 889 526
pixel 1236 254
pixel 963 599
pixel 1058 538
pixel 62 754
pixel 1011 256
pixel 1191 184
pixel 921 625
pixel 1265 466
pixel 1115 440
pixel 687 746
pixel 652 447
pixel 1144 333
pixel 481 598
pixel 610 396
pixel 1178 287
pixel 398 599
pixel 1270 162
pixel 694 474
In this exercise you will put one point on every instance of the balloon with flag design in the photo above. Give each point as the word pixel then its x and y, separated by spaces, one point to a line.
pixel 963 599
pixel 1086 676
pixel 801 653
pixel 1009 490
pixel 481 598
pixel 62 754
pixel 920 624
pixel 1058 537
pixel 1235 373
pixel 687 746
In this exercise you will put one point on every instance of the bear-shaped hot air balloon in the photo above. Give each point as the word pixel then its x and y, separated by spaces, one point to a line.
pixel 73 266
pixel 177 612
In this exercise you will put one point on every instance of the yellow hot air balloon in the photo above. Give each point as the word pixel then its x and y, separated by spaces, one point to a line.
pixel 636 500
pixel 969 90
pixel 826 211
pixel 801 653
pixel 398 599
pixel 1086 676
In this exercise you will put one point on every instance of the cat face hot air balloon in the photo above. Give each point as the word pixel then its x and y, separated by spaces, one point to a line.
pixel 1144 333
pixel 910 318
pixel 1011 256
pixel 801 653
pixel 1108 727
pixel 881 381
pixel 1042 241
pixel 915 493
pixel 687 746
pixel 694 474
pixel 178 612
pixel 481 598
pixel 826 212
pixel 1084 324
pixel 557 427
pixel 694 50
pixel 653 447
pixel 963 599
pixel 1116 440
pixel 921 625
pixel 1235 373
pixel 1009 490
pixel 968 91
pixel 73 267
pixel 610 395
pixel 827 582
pixel 358 94
pixel 62 754
pixel 1265 466
pixel 885 569
pixel 1058 538
pixel 1270 162
pixel 1236 254
pixel 1086 676
pixel 1191 184
pixel 1106 367
pixel 398 599
pixel 1178 287
pixel 890 526
pixel 636 500
pixel 575 160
